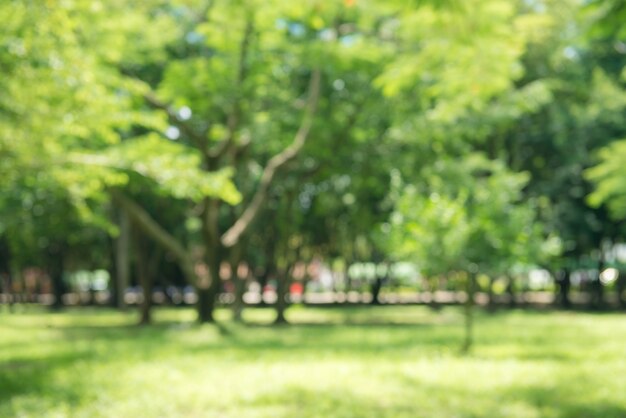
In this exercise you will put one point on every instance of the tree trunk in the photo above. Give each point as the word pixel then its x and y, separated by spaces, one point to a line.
pixel 433 287
pixel 620 287
pixel 165 240
pixel 564 284
pixel 15 280
pixel 144 278
pixel 55 271
pixel 238 303
pixel 206 305
pixel 122 259
pixel 58 289
pixel 283 256
pixel 19 286
pixel 597 295
pixel 375 289
pixel 209 291
pixel 597 289
pixel 207 295
pixel 7 289
pixel 491 303
pixel 263 280
pixel 270 265
pixel 469 313
pixel 282 283
pixel 145 317
pixel 239 283
pixel 346 279
pixel 510 289
pixel 112 269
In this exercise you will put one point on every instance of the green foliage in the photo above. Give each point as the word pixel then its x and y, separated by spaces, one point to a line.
pixel 432 230
pixel 174 168
pixel 609 16
pixel 457 98
pixel 453 60
pixel 609 177
pixel 65 95
pixel 468 212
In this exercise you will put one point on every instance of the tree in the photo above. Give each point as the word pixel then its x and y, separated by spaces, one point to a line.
pixel 466 216
pixel 573 113
pixel 70 105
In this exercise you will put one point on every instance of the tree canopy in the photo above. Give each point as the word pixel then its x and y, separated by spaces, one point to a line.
pixel 457 135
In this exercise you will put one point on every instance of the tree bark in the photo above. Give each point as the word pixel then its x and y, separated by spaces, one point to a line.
pixel 375 288
pixel 56 269
pixel 597 288
pixel 491 303
pixel 144 277
pixel 564 284
pixel 239 283
pixel 112 269
pixel 620 287
pixel 281 294
pixel 597 295
pixel 6 285
pixel 15 278
pixel 469 313
pixel 268 269
pixel 7 288
pixel 206 305
pixel 208 290
pixel 233 234
pixel 433 284
pixel 347 288
pixel 148 226
pixel 510 289
pixel 238 302
pixel 122 258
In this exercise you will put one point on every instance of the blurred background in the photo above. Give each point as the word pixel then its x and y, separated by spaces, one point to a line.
pixel 409 178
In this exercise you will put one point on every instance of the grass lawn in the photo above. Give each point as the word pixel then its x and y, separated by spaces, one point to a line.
pixel 332 362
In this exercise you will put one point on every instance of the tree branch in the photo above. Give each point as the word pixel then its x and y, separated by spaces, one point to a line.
pixel 150 227
pixel 197 137
pixel 233 234
pixel 235 115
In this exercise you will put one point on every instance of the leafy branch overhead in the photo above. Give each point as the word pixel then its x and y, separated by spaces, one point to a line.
pixel 174 168
pixel 609 177
pixel 450 134
pixel 231 236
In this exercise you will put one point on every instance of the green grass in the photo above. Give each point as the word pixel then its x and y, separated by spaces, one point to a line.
pixel 356 362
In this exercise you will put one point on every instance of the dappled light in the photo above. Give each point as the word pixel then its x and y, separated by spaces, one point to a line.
pixel 328 208
pixel 391 361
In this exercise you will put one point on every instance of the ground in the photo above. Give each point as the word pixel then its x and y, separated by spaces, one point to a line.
pixel 332 362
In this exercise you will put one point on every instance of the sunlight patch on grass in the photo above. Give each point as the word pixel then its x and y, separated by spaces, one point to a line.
pixel 356 362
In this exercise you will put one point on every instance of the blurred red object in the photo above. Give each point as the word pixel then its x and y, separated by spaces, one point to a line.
pixel 296 288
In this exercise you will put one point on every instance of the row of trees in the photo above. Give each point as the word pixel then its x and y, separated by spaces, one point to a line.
pixel 185 135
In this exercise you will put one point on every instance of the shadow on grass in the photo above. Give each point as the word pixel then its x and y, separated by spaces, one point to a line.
pixel 106 342
pixel 349 333
pixel 562 404
pixel 347 323
pixel 419 399
pixel 358 337
pixel 358 330
pixel 25 375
